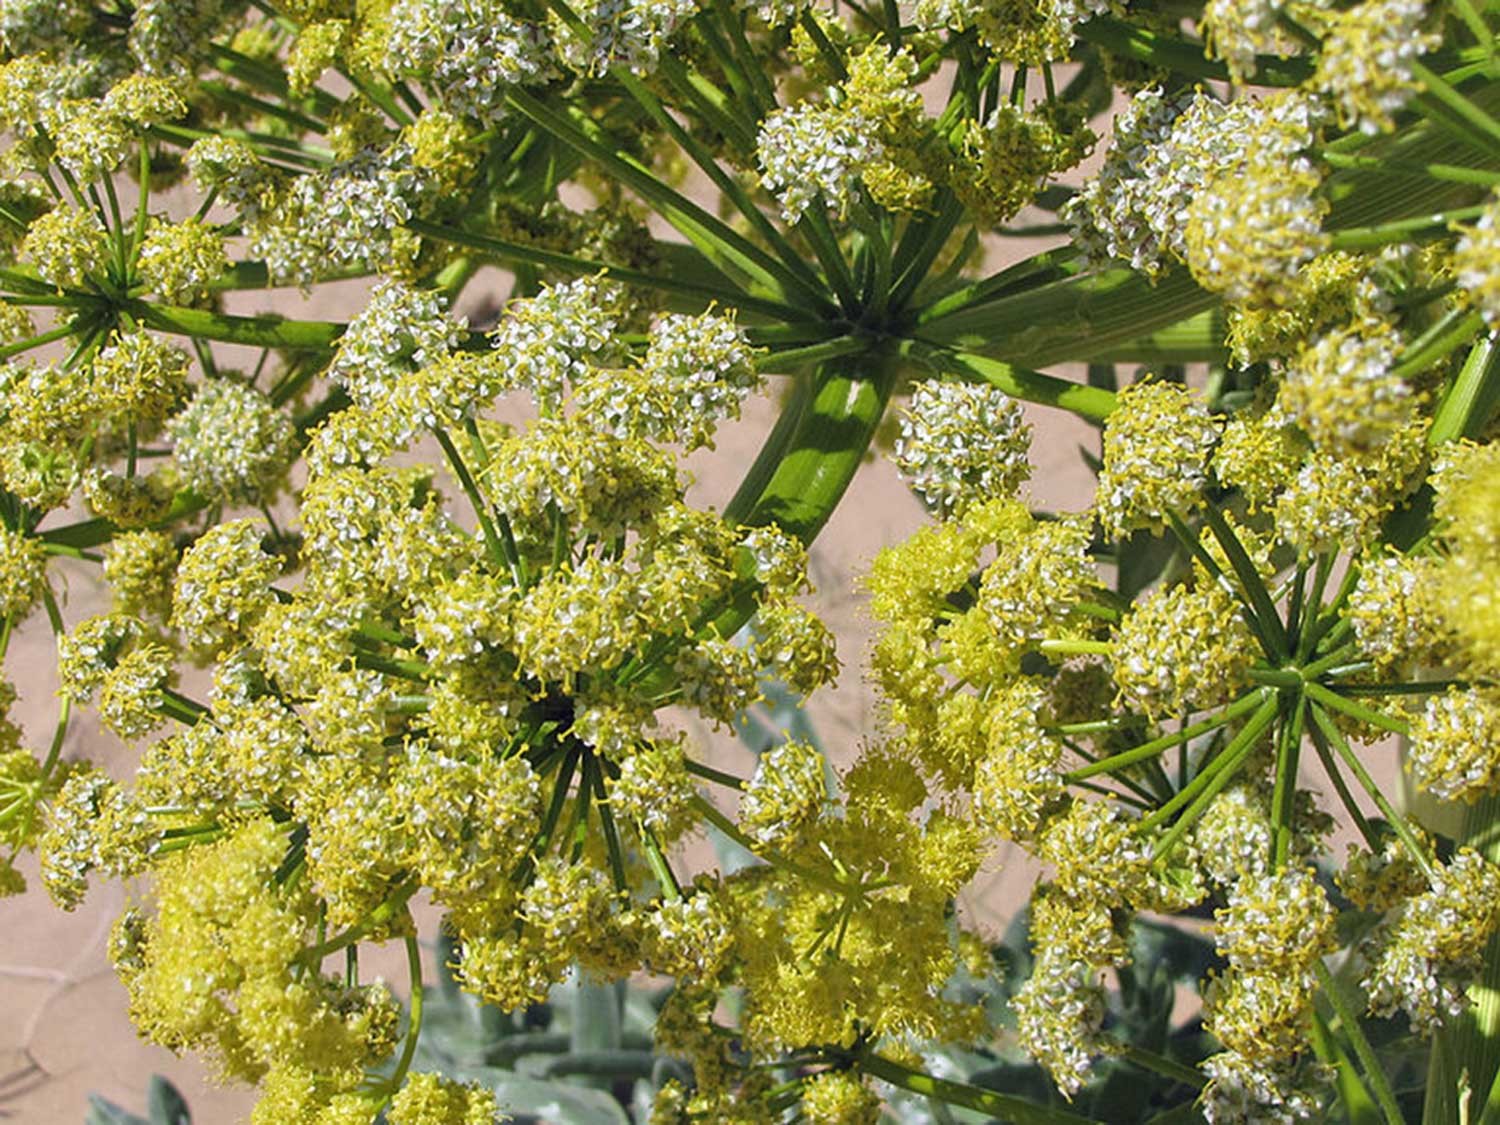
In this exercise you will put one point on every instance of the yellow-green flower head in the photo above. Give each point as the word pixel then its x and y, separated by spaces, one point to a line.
pixel 688 938
pixel 431 1099
pixel 810 149
pixel 1338 502
pixel 1423 958
pixel 41 28
pixel 303 640
pixel 352 215
pixel 1467 481
pixel 1262 1016
pixel 1182 649
pixel 1165 151
pixel 796 646
pixel 1276 923
pixel 261 747
pixel 1365 61
pixel 231 444
pixel 1156 447
pixel 318 47
pixel 93 825
pixel 469 54
pixel 125 501
pixel 85 656
pixel 460 619
pixel 1476 261
pixel 576 620
pixel 231 169
pixel 786 795
pixel 400 328
pixel 839 1097
pixel 1009 158
pixel 145 101
pixel 1234 838
pixel 139 378
pixel 1455 744
pixel 130 697
pixel 780 561
pixel 1098 856
pixel 631 35
pixel 718 678
pixel 554 339
pixel 23 573
pixel 1241 1090
pixel 1258 453
pixel 91 141
pixel 1333 289
pixel 468 824
pixel 1018 780
pixel 653 789
pixel 599 483
pixel 962 443
pixel 356 838
pixel 1342 391
pixel 1381 881
pixel 1249 231
pixel 377 537
pixel 1238 30
pixel 442 145
pixel 1041 570
pixel 223 586
pixel 695 373
pixel 1027 31
pixel 181 261
pixel 1060 1015
pixel 1393 610
pixel 66 245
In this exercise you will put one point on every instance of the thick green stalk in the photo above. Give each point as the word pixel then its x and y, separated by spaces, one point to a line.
pixel 256 331
pixel 1092 403
pixel 1470 399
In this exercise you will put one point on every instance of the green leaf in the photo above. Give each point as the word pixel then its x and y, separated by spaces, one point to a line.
pixel 559 1102
pixel 102 1111
pixel 165 1105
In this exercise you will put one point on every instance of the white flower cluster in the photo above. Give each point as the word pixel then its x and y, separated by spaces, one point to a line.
pixel 400 328
pixel 628 33
pixel 470 53
pixel 1165 151
pixel 809 149
pixel 962 442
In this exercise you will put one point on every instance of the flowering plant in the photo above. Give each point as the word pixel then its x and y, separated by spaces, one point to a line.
pixel 443 680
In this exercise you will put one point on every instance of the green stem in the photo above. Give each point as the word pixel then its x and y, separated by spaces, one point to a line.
pixel 1284 791
pixel 1242 706
pixel 1451 173
pixel 1213 776
pixel 1359 711
pixel 1470 399
pixel 1417 227
pixel 1325 729
pixel 256 331
pixel 481 509
pixel 1333 988
pixel 1160 1064
pixel 1091 403
pixel 1250 582
pixel 1484 129
pixel 414 1022
pixel 1007 1107
pixel 708 773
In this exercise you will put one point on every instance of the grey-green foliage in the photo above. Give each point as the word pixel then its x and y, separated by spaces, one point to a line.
pixel 164 1106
